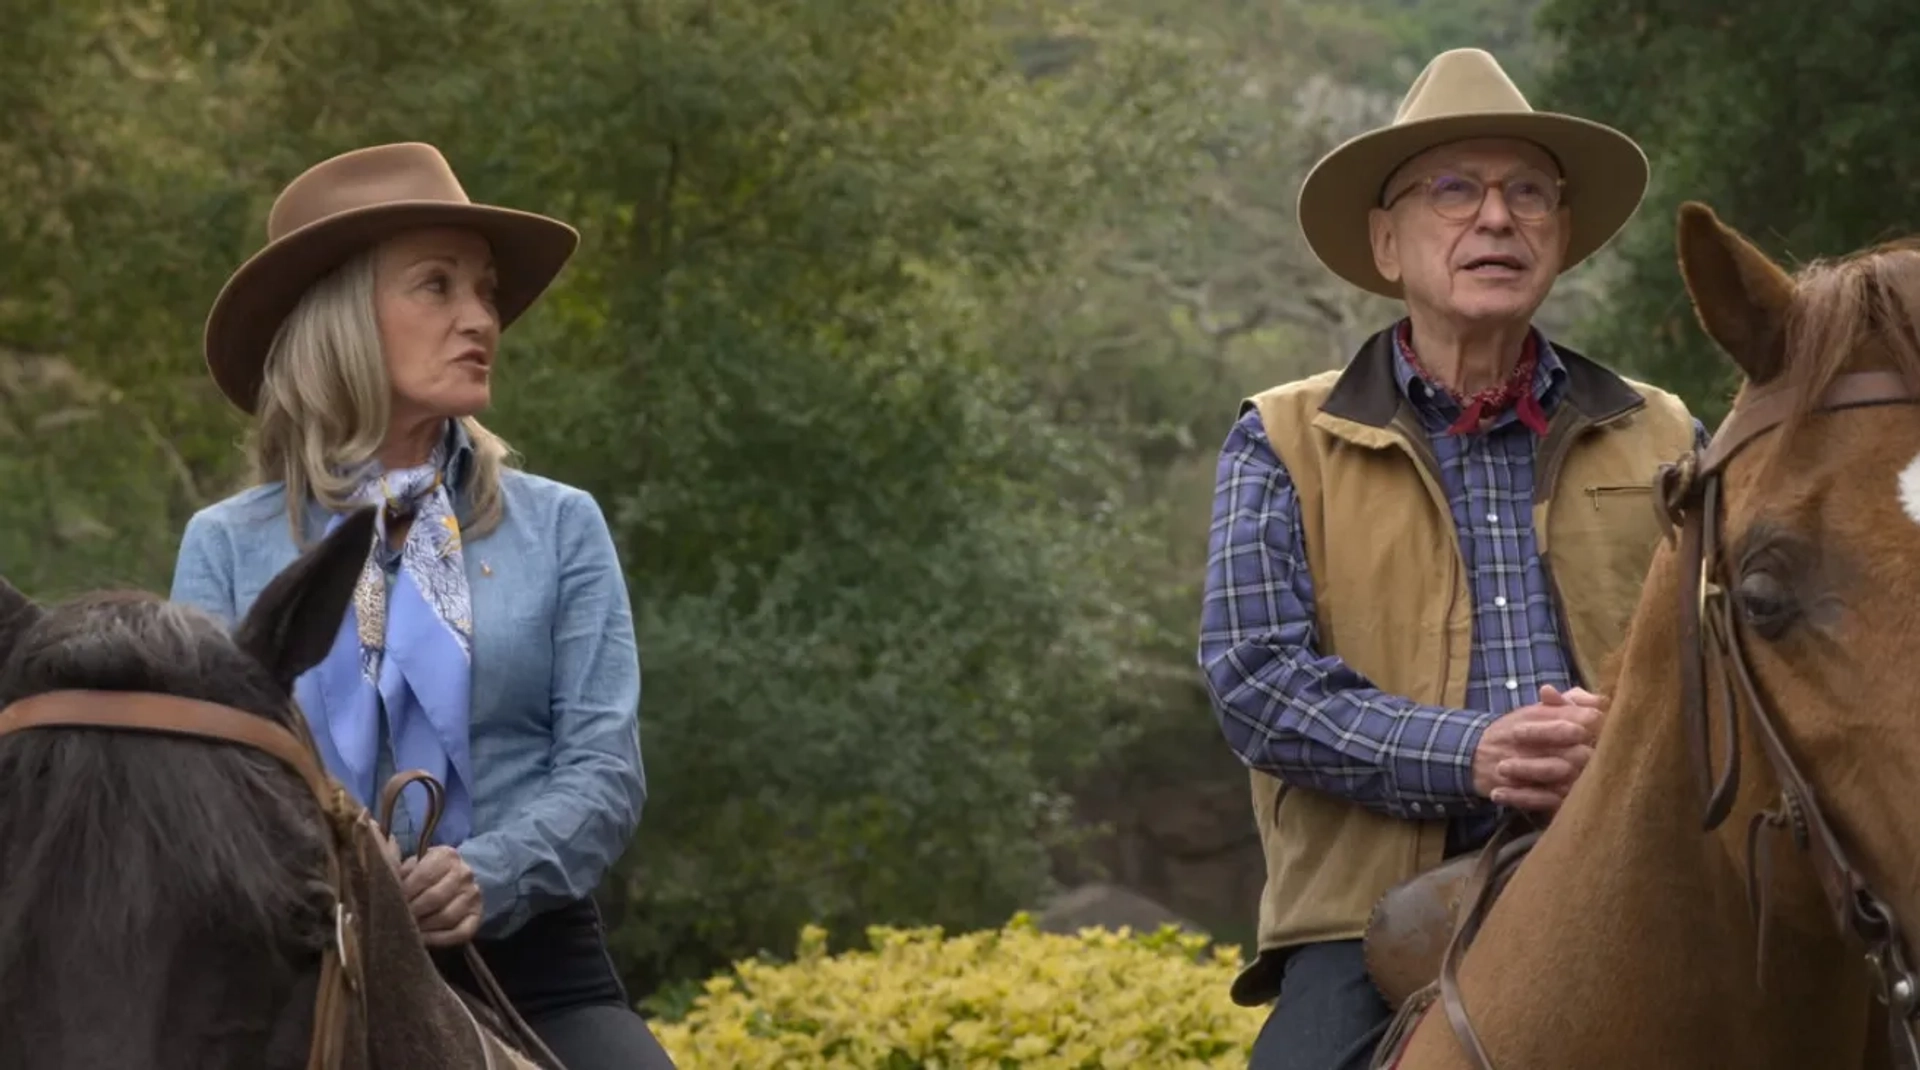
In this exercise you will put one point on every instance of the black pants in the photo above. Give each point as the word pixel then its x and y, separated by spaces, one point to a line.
pixel 1328 1016
pixel 556 971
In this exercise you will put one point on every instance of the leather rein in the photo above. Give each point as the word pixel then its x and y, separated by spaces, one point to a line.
pixel 342 987
pixel 1689 496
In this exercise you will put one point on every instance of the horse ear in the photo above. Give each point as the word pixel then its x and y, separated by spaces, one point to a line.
pixel 17 614
pixel 293 623
pixel 1739 294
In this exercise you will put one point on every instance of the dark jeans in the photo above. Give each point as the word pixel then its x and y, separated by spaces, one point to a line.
pixel 558 974
pixel 1328 1016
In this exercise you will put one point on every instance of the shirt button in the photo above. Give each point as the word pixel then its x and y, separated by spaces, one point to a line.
pixel 1416 808
pixel 1513 685
pixel 1500 600
pixel 1493 518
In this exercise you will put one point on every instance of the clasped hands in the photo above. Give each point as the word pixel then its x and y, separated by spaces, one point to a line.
pixel 1529 758
pixel 441 890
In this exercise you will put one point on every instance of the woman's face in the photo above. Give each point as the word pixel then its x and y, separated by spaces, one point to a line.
pixel 439 328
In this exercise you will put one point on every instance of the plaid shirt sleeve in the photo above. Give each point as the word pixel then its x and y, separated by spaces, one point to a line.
pixel 1285 709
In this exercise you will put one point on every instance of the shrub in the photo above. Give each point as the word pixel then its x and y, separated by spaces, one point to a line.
pixel 992 1000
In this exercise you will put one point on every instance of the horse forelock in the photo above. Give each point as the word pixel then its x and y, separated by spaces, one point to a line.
pixel 1859 312
pixel 130 857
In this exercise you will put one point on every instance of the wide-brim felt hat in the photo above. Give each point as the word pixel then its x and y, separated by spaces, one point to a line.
pixel 344 205
pixel 1463 95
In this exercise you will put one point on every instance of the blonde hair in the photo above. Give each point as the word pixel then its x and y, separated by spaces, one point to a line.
pixel 326 405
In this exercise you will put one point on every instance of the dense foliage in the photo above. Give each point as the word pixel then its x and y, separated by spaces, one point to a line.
pixel 1011 997
pixel 882 595
pixel 1790 119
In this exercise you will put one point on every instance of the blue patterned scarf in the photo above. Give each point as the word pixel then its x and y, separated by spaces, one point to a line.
pixel 405 649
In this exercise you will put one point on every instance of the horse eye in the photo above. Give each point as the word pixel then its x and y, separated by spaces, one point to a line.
pixel 1767 605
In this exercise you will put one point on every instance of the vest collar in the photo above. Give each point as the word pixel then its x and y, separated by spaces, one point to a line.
pixel 1369 394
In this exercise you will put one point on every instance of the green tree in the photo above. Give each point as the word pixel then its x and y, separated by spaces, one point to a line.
pixel 1791 120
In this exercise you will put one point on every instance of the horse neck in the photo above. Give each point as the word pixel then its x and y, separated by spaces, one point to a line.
pixel 1625 939
pixel 149 937
pixel 203 1005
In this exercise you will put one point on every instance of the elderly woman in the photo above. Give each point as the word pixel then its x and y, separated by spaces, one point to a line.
pixel 490 641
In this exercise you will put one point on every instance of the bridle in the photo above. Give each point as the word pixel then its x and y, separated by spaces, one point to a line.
pixel 1689 497
pixel 342 988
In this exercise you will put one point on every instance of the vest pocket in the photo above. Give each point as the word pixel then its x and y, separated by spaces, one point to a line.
pixel 1599 493
pixel 1602 543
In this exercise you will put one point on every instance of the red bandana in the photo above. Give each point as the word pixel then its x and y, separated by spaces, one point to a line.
pixel 1516 393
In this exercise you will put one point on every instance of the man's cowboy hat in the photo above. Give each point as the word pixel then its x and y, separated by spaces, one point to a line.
pixel 1463 94
pixel 343 205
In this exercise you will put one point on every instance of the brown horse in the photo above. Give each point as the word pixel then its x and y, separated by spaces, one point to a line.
pixel 170 901
pixel 1630 937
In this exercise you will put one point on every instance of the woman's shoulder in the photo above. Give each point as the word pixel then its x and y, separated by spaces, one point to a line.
pixel 244 510
pixel 556 517
pixel 544 498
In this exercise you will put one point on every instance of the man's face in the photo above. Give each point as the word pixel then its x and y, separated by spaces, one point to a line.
pixel 1475 231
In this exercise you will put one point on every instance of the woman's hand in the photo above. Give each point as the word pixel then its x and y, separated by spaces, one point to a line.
pixel 444 896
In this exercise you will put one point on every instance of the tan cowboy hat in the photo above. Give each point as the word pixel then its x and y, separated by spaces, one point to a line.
pixel 1463 94
pixel 343 205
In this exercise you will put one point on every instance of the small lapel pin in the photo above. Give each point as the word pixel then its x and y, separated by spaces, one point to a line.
pixel 486 569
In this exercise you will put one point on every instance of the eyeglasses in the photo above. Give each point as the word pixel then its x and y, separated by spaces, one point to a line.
pixel 1530 195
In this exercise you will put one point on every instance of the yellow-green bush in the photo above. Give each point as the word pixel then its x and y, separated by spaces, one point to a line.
pixel 996 1000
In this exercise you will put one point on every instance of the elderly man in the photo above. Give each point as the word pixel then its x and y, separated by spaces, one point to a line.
pixel 1418 560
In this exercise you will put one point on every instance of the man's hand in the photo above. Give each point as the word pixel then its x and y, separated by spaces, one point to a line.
pixel 444 896
pixel 1529 758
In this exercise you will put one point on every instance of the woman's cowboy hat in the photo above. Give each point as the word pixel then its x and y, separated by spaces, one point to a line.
pixel 343 205
pixel 1464 94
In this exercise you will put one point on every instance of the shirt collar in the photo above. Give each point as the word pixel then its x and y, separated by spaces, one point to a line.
pixel 459 455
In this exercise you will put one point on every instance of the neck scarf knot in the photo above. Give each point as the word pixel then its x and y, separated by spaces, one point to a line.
pixel 1478 408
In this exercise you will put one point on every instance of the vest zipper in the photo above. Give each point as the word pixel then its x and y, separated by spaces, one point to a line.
pixel 1579 671
pixel 1561 435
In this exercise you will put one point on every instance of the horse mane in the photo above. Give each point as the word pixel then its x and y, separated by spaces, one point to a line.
pixel 1848 313
pixel 126 856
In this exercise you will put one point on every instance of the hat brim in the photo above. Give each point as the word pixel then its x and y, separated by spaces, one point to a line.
pixel 529 251
pixel 1606 175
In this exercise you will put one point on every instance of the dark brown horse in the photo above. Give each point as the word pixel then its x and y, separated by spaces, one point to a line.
pixel 168 901
pixel 1632 935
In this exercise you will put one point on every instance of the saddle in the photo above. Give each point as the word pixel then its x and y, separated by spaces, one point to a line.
pixel 1410 926
pixel 1421 927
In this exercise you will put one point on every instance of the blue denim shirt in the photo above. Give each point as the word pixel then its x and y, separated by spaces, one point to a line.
pixel 559 784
